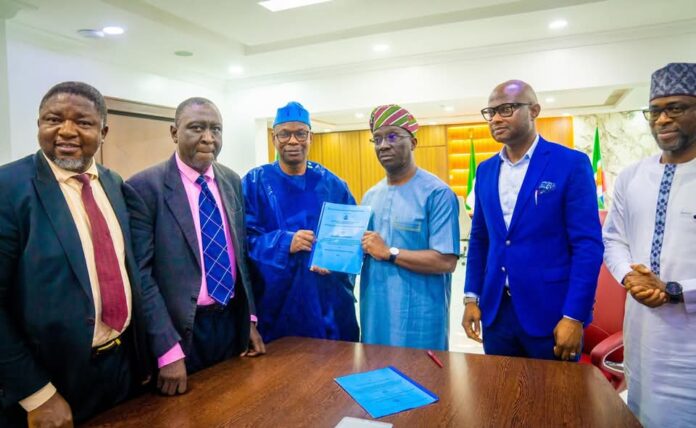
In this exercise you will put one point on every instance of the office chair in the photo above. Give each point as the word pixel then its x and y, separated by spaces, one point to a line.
pixel 603 339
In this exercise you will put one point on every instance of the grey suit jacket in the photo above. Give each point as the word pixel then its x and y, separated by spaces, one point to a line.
pixel 166 245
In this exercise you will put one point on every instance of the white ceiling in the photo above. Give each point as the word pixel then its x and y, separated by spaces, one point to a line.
pixel 338 36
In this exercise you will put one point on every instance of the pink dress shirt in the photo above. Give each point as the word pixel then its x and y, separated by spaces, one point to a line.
pixel 193 191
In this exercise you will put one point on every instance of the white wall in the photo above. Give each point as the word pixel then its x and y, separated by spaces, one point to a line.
pixel 32 71
pixel 5 134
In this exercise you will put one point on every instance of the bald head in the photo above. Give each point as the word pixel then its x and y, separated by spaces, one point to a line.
pixel 512 109
pixel 512 91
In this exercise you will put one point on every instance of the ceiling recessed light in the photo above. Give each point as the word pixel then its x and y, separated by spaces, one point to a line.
pixel 448 108
pixel 558 24
pixel 565 114
pixel 381 47
pixel 113 30
pixel 90 33
pixel 235 69
pixel 278 5
pixel 550 99
pixel 644 108
pixel 183 53
pixel 359 115
pixel 432 123
pixel 327 130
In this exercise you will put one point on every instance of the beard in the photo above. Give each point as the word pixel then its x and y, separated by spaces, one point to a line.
pixel 74 165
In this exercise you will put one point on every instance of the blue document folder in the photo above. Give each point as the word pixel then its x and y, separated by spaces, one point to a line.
pixel 385 391
pixel 338 245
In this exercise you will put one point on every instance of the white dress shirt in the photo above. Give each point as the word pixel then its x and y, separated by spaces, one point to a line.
pixel 660 343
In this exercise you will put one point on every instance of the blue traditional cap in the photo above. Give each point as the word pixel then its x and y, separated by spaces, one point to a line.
pixel 677 78
pixel 292 112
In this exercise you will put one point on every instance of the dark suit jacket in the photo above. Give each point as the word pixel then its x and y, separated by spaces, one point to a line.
pixel 46 306
pixel 166 244
pixel 552 250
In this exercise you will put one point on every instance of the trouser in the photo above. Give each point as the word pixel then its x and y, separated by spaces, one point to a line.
pixel 215 337
pixel 106 381
pixel 505 336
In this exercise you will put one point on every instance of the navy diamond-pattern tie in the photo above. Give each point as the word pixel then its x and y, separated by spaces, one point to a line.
pixel 216 258
pixel 661 217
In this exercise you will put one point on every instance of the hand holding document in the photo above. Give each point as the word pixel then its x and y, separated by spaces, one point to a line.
pixel 338 245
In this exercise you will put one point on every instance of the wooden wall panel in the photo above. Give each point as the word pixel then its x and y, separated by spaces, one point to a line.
pixel 271 147
pixel 315 149
pixel 433 159
pixel 557 129
pixel 370 168
pixel 429 136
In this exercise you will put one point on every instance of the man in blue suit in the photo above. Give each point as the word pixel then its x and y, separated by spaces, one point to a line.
pixel 536 241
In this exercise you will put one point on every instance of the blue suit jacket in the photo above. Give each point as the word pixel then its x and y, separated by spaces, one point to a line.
pixel 553 248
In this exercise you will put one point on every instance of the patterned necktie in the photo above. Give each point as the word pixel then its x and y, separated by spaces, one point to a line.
pixel 216 258
pixel 661 217
pixel 111 288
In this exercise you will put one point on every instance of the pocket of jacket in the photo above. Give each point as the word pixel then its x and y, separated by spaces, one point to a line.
pixel 556 274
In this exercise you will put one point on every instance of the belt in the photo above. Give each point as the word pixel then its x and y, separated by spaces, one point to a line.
pixel 106 348
pixel 215 307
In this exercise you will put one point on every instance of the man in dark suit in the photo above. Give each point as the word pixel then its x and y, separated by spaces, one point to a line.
pixel 187 217
pixel 536 243
pixel 73 316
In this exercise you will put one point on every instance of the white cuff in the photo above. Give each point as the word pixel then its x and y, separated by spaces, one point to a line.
pixel 37 399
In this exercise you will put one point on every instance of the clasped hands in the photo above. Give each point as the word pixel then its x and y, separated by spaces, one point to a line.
pixel 644 286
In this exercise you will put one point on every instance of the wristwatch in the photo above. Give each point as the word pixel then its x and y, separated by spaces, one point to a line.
pixel 468 300
pixel 674 291
pixel 393 253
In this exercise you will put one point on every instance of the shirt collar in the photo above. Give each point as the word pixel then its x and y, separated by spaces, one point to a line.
pixel 190 173
pixel 527 156
pixel 63 175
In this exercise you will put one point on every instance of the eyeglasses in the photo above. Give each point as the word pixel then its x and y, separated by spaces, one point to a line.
pixel 504 110
pixel 672 111
pixel 300 135
pixel 390 138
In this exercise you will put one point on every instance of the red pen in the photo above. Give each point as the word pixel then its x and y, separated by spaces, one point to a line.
pixel 433 357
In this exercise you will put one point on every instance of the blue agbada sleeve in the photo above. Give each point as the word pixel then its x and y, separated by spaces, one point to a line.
pixel 268 242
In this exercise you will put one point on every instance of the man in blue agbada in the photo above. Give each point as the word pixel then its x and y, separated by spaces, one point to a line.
pixel 413 243
pixel 283 205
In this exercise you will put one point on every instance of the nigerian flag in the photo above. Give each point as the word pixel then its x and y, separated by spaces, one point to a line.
pixel 470 197
pixel 598 171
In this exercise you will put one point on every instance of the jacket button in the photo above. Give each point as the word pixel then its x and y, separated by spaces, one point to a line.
pixel 90 321
pixel 503 268
pixel 508 242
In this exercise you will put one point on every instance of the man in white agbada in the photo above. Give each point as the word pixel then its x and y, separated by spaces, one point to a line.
pixel 650 240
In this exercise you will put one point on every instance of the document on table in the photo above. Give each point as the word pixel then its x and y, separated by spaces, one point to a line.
pixel 385 391
pixel 338 246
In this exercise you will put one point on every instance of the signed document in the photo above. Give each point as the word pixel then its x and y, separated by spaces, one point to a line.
pixel 385 391
pixel 338 245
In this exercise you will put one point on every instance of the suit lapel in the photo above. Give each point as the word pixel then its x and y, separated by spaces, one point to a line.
pixel 537 165
pixel 177 202
pixel 231 202
pixel 61 220
pixel 112 189
pixel 493 191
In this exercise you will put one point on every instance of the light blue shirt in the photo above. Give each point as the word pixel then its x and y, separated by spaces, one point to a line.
pixel 510 180
pixel 399 307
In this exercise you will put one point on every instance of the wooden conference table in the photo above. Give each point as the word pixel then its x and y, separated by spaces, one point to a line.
pixel 293 386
